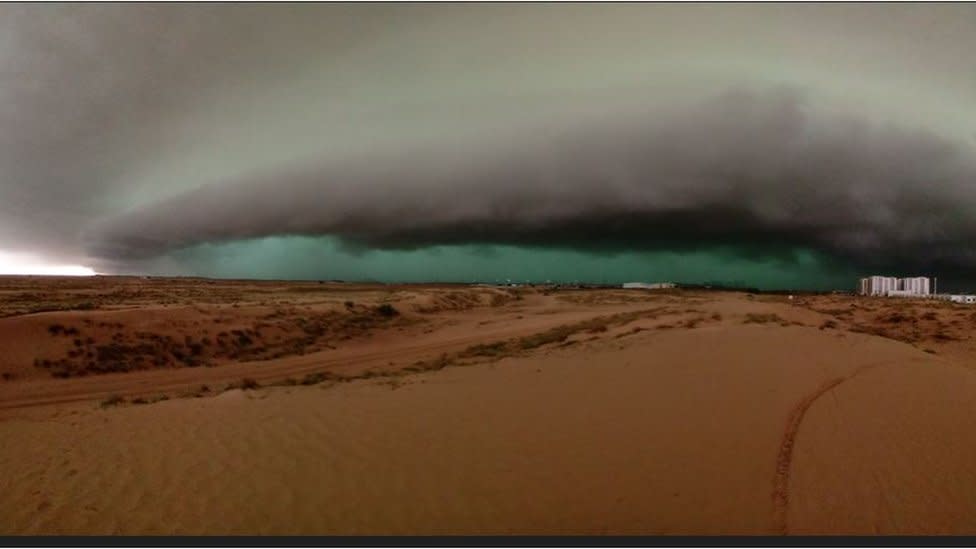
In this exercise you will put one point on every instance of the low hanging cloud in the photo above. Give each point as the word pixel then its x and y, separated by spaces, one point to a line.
pixel 756 169
pixel 134 131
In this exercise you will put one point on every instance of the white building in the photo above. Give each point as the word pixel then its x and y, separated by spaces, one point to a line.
pixel 918 285
pixel 649 286
pixel 894 287
pixel 878 285
pixel 901 293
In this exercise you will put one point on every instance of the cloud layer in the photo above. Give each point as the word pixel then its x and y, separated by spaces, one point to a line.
pixel 134 131
pixel 760 168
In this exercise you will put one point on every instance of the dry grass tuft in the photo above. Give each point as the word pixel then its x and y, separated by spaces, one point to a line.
pixel 249 384
pixel 763 318
pixel 113 400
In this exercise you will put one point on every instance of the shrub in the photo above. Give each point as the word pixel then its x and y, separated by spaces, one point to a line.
pixel 554 335
pixel 249 383
pixel 894 318
pixel 756 318
pixel 486 349
pixel 387 310
pixel 113 400
pixel 314 379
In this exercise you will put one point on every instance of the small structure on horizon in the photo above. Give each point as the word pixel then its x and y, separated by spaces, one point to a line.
pixel 967 299
pixel 649 285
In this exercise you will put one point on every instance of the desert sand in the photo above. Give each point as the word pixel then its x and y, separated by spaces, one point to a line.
pixel 191 406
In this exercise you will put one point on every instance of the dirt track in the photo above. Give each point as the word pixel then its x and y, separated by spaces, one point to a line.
pixel 385 352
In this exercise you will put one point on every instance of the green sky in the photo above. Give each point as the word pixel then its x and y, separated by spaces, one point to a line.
pixel 326 258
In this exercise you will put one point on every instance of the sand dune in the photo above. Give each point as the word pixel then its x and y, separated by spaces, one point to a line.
pixel 708 415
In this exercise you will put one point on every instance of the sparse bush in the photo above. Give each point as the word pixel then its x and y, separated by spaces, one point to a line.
pixel 243 339
pixel 828 324
pixel 427 365
pixel 249 383
pixel 486 349
pixel 387 310
pixel 56 329
pixel 113 400
pixel 894 318
pixel 314 379
pixel 757 318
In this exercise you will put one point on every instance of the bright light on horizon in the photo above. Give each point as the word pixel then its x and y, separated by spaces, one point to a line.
pixel 21 264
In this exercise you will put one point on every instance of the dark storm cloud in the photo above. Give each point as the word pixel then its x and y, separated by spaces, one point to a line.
pixel 90 92
pixel 764 170
pixel 131 131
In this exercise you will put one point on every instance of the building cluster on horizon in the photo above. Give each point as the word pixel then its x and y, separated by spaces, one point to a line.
pixel 649 285
pixel 890 286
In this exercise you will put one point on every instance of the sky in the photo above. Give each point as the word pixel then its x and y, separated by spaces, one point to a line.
pixel 772 145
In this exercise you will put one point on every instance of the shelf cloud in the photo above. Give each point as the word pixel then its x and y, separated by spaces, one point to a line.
pixel 135 131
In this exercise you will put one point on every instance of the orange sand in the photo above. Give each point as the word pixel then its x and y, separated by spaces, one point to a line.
pixel 715 426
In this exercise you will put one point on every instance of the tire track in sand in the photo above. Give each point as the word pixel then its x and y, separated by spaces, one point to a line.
pixel 784 460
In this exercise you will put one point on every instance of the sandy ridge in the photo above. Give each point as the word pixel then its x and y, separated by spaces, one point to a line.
pixel 401 348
